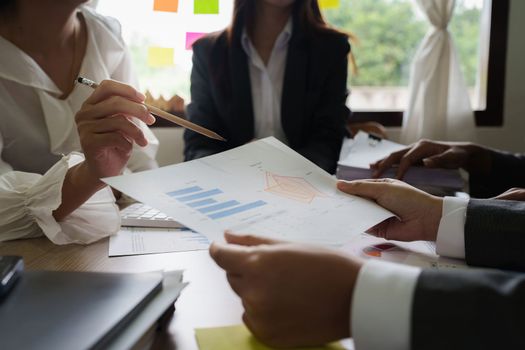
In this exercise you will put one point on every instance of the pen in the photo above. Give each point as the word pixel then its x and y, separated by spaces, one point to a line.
pixel 165 115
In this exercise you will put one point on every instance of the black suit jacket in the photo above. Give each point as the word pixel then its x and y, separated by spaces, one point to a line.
pixel 477 309
pixel 507 171
pixel 313 110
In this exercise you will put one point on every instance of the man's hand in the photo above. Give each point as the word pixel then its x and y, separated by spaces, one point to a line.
pixel 432 154
pixel 514 194
pixel 293 295
pixel 418 213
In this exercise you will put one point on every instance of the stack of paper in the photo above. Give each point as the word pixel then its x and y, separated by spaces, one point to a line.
pixel 357 154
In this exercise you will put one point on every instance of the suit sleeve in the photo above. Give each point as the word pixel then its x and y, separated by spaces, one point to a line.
pixel 202 109
pixel 474 309
pixel 331 115
pixel 495 234
pixel 507 171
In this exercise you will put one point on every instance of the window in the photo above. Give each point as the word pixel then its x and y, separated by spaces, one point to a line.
pixel 157 40
pixel 388 32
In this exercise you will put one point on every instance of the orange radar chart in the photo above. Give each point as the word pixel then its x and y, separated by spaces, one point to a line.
pixel 294 188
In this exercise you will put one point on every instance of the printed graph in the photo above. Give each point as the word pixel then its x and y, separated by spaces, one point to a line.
pixel 292 187
pixel 205 201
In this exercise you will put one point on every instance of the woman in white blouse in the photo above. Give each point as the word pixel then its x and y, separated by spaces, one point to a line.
pixel 47 186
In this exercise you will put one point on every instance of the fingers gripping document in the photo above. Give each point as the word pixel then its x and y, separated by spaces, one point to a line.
pixel 262 188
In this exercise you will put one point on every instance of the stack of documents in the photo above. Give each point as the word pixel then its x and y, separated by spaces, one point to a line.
pixel 152 240
pixel 358 153
pixel 263 188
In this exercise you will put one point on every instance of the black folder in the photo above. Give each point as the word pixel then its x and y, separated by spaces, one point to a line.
pixel 72 310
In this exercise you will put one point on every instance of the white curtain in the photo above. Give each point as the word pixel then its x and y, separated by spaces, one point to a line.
pixel 439 106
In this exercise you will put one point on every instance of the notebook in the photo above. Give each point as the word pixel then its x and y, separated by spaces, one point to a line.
pixel 73 310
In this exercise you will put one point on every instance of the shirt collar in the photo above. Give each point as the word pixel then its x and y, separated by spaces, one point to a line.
pixel 17 66
pixel 282 39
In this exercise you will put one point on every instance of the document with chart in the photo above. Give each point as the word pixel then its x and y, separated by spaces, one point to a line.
pixel 263 188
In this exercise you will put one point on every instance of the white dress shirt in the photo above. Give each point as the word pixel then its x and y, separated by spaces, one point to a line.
pixel 381 315
pixel 37 129
pixel 267 84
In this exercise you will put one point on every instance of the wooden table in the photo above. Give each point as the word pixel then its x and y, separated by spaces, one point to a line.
pixel 207 301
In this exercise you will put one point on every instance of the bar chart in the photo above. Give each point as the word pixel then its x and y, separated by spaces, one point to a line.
pixel 202 200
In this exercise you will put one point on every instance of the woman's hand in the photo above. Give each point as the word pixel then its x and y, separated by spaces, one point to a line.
pixel 432 154
pixel 293 295
pixel 106 128
pixel 418 213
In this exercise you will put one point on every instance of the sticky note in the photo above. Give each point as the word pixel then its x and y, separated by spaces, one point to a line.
pixel 239 338
pixel 206 7
pixel 160 56
pixel 166 5
pixel 329 4
pixel 191 38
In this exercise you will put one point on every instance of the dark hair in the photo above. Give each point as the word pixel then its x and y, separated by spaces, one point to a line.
pixel 307 11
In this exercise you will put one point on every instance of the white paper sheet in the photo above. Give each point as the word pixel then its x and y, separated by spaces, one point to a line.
pixel 360 151
pixel 263 188
pixel 145 240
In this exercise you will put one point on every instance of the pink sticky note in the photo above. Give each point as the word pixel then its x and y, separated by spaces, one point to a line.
pixel 191 38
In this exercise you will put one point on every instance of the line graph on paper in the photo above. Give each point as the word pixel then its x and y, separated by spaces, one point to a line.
pixel 292 187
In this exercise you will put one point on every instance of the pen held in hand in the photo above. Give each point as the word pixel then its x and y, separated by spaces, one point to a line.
pixel 165 115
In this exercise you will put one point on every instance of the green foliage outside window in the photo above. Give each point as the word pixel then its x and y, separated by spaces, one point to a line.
pixel 389 32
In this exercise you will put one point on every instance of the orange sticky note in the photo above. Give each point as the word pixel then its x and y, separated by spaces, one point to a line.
pixel 166 5
pixel 160 56
pixel 329 4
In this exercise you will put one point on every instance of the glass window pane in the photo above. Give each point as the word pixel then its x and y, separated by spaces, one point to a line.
pixel 388 34
pixel 143 28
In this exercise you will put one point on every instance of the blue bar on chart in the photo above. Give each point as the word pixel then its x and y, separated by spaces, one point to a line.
pixel 201 203
pixel 219 206
pixel 199 195
pixel 236 210
pixel 184 191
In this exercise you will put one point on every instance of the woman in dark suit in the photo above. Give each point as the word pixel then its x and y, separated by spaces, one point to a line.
pixel 277 70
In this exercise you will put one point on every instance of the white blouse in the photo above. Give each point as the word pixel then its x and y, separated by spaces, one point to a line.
pixel 266 83
pixel 37 129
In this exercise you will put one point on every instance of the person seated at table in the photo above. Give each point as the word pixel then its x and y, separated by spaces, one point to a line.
pixel 490 171
pixel 46 186
pixel 302 295
pixel 277 70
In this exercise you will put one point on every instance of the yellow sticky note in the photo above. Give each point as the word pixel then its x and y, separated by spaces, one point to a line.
pixel 166 5
pixel 329 4
pixel 239 338
pixel 160 56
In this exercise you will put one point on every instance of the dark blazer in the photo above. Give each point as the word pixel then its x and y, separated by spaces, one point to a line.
pixel 314 93
pixel 477 309
pixel 507 171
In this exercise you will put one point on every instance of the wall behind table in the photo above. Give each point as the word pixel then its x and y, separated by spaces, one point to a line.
pixel 512 135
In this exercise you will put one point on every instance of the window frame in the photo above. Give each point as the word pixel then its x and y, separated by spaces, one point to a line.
pixel 492 115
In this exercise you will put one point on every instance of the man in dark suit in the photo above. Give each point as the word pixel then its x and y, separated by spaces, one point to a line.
pixel 305 295
pixel 296 91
